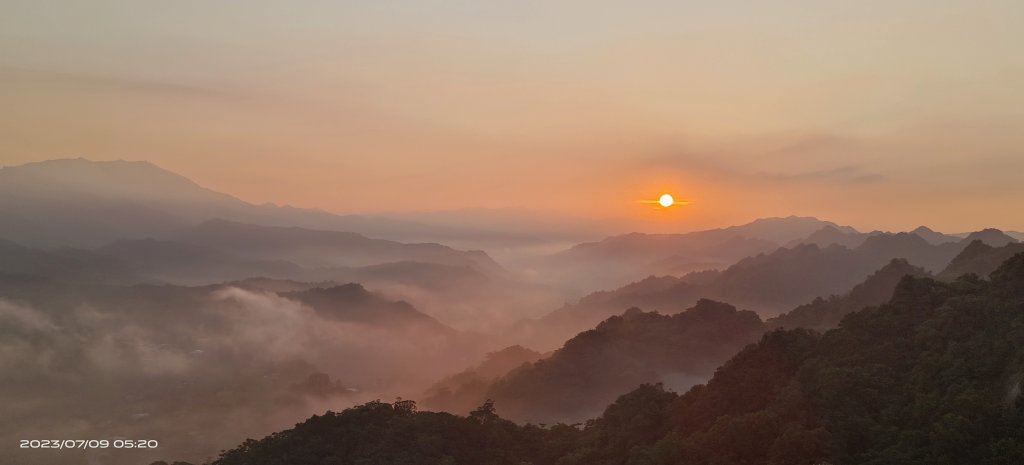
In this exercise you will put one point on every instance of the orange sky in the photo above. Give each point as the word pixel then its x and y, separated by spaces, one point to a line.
pixel 876 114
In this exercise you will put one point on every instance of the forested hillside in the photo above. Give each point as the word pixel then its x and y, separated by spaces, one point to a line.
pixel 931 377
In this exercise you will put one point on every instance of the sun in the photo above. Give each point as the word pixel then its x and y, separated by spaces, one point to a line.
pixel 665 201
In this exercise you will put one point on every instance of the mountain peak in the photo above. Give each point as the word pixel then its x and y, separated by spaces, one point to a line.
pixel 933 237
pixel 980 259
pixel 901 239
pixel 991 236
pixel 89 170
pixel 121 181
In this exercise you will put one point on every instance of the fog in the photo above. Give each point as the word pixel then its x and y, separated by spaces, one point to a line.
pixel 238 363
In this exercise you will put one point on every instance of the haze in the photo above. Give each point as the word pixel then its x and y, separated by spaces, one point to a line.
pixel 863 113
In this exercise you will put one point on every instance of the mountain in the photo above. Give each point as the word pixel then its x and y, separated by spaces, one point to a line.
pixel 825 313
pixel 937 366
pixel 430 276
pixel 666 294
pixel 932 376
pixel 193 357
pixel 398 433
pixel 915 249
pixel 711 246
pixel 466 289
pixel 192 264
pixel 629 257
pixel 829 235
pixel 353 303
pixel 84 203
pixel 64 264
pixel 769 283
pixel 319 248
pixel 990 236
pixel 783 230
pixel 591 369
pixel 979 258
pixel 725 244
pixel 464 391
pixel 933 237
pixel 787 277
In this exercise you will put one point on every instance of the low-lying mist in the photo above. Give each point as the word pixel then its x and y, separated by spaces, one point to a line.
pixel 196 368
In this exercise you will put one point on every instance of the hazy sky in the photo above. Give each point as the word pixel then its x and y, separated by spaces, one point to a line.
pixel 880 114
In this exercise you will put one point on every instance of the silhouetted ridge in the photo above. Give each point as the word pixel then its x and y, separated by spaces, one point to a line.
pixel 352 302
pixel 462 392
pixel 829 235
pixel 991 236
pixel 980 259
pixel 193 264
pixel 825 313
pixel 326 248
pixel 64 264
pixel 623 351
pixel 83 203
pixel 934 237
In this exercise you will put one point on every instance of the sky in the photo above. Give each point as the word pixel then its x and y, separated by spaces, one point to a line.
pixel 878 114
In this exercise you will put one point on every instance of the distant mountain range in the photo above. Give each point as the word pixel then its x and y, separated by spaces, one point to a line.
pixel 768 283
pixel 88 204
pixel 76 265
pixel 84 203
pixel 629 257
pixel 319 248
pixel 634 256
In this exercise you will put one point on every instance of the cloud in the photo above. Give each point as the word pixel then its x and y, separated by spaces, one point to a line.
pixel 717 167
pixel 38 76
pixel 17 316
pixel 846 174
pixel 826 158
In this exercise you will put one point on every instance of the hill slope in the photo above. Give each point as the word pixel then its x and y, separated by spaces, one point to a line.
pixel 825 313
pixel 630 257
pixel 579 379
pixel 932 376
pixel 980 258
pixel 766 283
